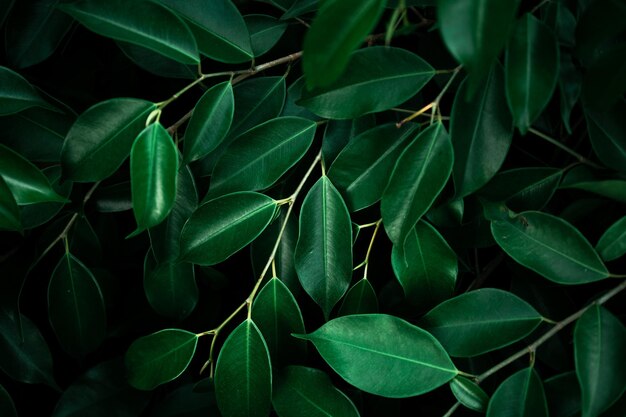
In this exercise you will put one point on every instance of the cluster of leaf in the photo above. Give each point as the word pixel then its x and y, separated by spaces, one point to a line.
pixel 313 178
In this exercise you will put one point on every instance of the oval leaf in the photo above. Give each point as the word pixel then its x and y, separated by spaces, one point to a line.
pixel 221 227
pixel 466 328
pixel 170 287
pixel 563 395
pixel 360 299
pixel 469 394
pixel 16 94
pixel 159 358
pixel 383 355
pixel 612 244
pixel 549 246
pixel 265 32
pixel 520 395
pixel 9 211
pixel 607 131
pixel 323 255
pixel 243 376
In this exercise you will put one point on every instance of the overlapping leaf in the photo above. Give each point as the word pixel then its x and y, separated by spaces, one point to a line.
pixel 520 395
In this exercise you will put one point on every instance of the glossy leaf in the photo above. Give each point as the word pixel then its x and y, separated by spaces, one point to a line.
pixel 563 395
pixel 157 64
pixel 141 22
pixel 7 407
pixel 532 70
pixel 102 137
pixel 76 307
pixel 599 345
pixel 581 179
pixel 361 171
pixel 257 101
pixel 222 226
pixel 323 255
pixel 607 131
pixel 481 131
pixel 375 79
pixel 277 315
pixel 426 267
pixel 265 32
pixel 260 156
pixel 9 211
pixel 294 94
pixel 480 321
pixel 520 395
pixel 469 394
pixel 612 244
pixel 299 8
pixel 159 358
pixel 549 246
pixel 243 377
pixel 27 183
pixel 420 174
pixel 339 133
pixel 210 122
pixel 307 391
pixel 360 299
pixel 16 94
pixel 383 355
pixel 338 29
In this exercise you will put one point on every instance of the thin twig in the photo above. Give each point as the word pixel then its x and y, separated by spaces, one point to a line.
pixel 559 145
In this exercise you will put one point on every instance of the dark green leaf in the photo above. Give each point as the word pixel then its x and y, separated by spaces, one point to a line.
pixel 481 131
pixel 210 122
pixel 141 22
pixel 469 394
pixel 265 32
pixel 339 133
pixel 84 242
pixel 338 29
pixel 160 357
pixel 186 402
pixel 532 70
pixel 300 7
pixel 243 376
pixel 153 176
pixel 282 4
pixel 420 174
pixel 157 64
pixel 481 321
pixel 582 178
pixel 607 131
pixel 360 299
pixel 604 82
pixel 563 395
pixel 323 255
pixel 549 246
pixel 101 138
pixel 562 22
pixel 520 395
pixel 599 22
pixel 599 346
pixel 16 94
pixel 7 408
pixel 570 87
pixel 302 391
pixel 114 198
pixel 294 94
pixel 383 355
pixel 9 211
pixel 376 79
pixel 361 171
pixel 612 244
pixel 222 226
pixel 277 315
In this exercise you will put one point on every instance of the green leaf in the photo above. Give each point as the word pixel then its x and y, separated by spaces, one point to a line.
pixel 101 138
pixel 361 171
pixel 141 22
pixel 186 401
pixel 9 211
pixel 7 407
pixel 338 29
pixel 16 94
pixel 599 346
pixel 34 32
pixel 612 244
pixel 159 358
pixel 481 131
pixel 360 299
pixel 469 394
pixel 210 122
pixel 243 376
pixel 339 133
pixel 532 70
pixel 475 31
pixel 306 391
pixel 76 307
pixel 375 79
pixel 277 315
pixel 598 23
pixel 153 176
pixel 265 32
pixel 294 94
pixel 520 395
pixel 607 131
pixel 570 87
pixel 481 321
pixel 563 395
pixel 300 7
pixel 323 255
pixel 581 178
pixel 155 63
pixel 383 355
pixel 260 156
pixel 426 267
pixel 218 27
pixel 549 246
pixel 223 226
pixel 27 183
pixel 420 174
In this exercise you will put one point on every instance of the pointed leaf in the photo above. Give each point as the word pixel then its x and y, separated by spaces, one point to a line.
pixel 323 255
pixel 383 355
pixel 612 244
pixel 306 391
pixel 101 138
pixel 153 175
pixel 420 174
pixel 7 407
pixel 257 101
pixel 141 22
pixel 9 211
pixel 375 79
pixel 243 376
pixel 469 394
pixel 157 64
pixel 160 357
pixel 520 395
pixel 360 299
pixel 570 86
pixel 16 94
pixel 223 226
pixel 265 32
pixel 481 321
pixel 338 29
pixel 532 70
pixel 339 133
pixel 607 131
pixel 549 246
pixel 294 94
pixel 599 346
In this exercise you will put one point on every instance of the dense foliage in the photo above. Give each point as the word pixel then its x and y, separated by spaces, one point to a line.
pixel 303 208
